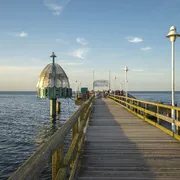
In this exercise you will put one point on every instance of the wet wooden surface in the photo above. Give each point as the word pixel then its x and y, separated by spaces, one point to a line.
pixel 120 146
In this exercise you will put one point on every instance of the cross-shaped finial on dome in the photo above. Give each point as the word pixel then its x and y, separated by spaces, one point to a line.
pixel 53 56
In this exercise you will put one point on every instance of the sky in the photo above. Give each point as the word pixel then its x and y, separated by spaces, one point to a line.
pixel 87 36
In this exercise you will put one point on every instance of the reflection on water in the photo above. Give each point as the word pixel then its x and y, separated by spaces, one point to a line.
pixel 24 125
pixel 46 132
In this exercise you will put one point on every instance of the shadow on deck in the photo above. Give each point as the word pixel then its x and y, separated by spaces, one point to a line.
pixel 119 146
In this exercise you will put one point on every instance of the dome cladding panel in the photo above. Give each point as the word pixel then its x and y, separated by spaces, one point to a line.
pixel 46 77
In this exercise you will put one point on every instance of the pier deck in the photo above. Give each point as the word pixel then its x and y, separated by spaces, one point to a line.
pixel 119 145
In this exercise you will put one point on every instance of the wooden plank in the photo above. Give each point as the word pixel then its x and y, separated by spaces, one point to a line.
pixel 119 145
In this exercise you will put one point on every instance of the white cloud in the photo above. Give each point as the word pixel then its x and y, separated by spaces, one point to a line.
pixel 56 8
pixel 148 48
pixel 61 41
pixel 134 39
pixel 80 53
pixel 22 34
pixel 82 41
pixel 57 13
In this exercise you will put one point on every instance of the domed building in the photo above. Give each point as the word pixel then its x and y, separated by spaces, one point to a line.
pixel 53 82
pixel 46 77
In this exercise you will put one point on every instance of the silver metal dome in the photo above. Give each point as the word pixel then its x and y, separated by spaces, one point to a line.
pixel 47 79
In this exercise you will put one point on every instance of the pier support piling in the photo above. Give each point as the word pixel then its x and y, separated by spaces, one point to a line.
pixel 58 107
pixel 57 161
pixel 53 107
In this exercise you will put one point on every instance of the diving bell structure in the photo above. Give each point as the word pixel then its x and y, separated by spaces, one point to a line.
pixel 53 83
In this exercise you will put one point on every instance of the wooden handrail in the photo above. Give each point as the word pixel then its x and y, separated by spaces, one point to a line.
pixel 135 106
pixel 148 102
pixel 53 148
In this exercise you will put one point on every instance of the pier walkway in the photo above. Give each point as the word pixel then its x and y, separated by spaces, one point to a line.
pixel 121 146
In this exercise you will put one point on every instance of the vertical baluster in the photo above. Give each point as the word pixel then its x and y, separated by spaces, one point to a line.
pixel 145 108
pixel 132 102
pixel 177 120
pixel 158 120
pixel 135 103
pixel 138 104
pixel 57 161
pixel 75 129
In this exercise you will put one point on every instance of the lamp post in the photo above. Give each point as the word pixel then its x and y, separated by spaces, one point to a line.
pixel 173 35
pixel 75 86
pixel 126 81
pixel 76 90
pixel 93 81
pixel 115 85
pixel 79 87
pixel 109 81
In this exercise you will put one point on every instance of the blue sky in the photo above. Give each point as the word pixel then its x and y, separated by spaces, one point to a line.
pixel 87 35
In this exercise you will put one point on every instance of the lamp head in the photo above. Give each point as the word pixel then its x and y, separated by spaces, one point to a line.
pixel 53 55
pixel 172 34
pixel 126 69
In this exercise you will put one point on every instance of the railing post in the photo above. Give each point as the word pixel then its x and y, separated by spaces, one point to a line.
pixel 130 102
pixel 132 106
pixel 57 161
pixel 145 108
pixel 177 119
pixel 158 120
pixel 74 129
pixel 124 99
pixel 135 109
pixel 58 107
pixel 138 111
pixel 127 101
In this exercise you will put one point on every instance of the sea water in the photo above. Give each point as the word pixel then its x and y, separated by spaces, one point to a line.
pixel 25 124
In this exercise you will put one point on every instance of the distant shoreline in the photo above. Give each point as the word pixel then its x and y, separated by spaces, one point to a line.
pixel 128 91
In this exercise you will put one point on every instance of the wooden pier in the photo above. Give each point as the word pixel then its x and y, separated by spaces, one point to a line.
pixel 120 145
pixel 119 138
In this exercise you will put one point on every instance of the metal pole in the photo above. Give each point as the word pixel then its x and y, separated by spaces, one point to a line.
pixel 75 91
pixel 125 83
pixel 115 86
pixel 173 36
pixel 93 81
pixel 126 69
pixel 80 86
pixel 109 82
pixel 173 88
pixel 126 86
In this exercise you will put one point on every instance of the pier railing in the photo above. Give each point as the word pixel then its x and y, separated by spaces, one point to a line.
pixel 156 114
pixel 63 165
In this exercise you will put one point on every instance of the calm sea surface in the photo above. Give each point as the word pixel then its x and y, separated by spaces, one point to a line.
pixel 156 96
pixel 25 124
